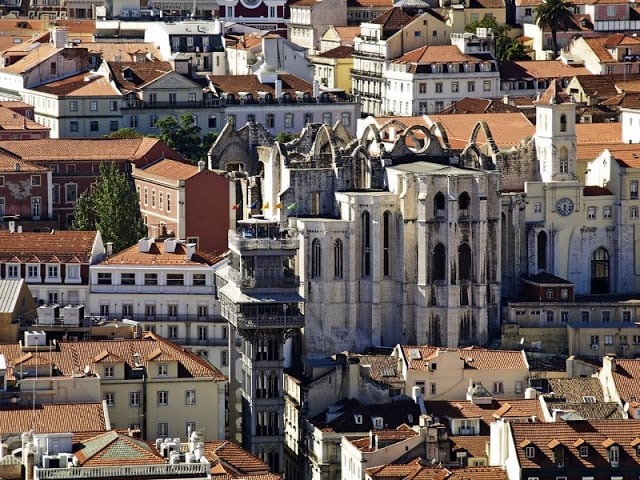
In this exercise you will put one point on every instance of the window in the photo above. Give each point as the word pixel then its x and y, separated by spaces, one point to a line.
pixel 614 455
pixel 93 105
pixel 438 87
pixel 471 86
pixel 537 207
pixel 251 118
pixel 113 125
pixel 163 370
pixel 173 331
pixel 190 397
pixel 439 262
pixel 564 317
pixel 626 316
pixel 153 199
pixel 633 189
pixel 608 339
pixel 133 121
pixel 94 126
pixel 386 243
pixel 203 333
pixel 606 316
pixel 113 105
pixel 498 387
pixel 308 118
pixel 13 271
pixel 530 451
pixel 422 87
pixel 288 120
pixel 600 271
pixel 172 98
pixel 595 340
pixel 168 202
pixel 455 87
pixel 606 212
pixel 53 271
pixel 633 212
pixel 486 85
pixel 224 358
pixel 199 279
pixel 128 278
pixel 104 278
pixel 584 450
pixel 74 126
pixel 134 399
pixel 337 259
pixel 71 192
pixel 108 372
pixel 163 430
pixel 519 386
pixel 591 213
pixel 35 208
pixel 213 121
pixel 269 120
pixel 433 388
pixel 366 244
pixel 550 316
pixel 175 279
pixel 33 271
pixel 464 262
pixel 316 258
pixel 110 399
pixel 346 119
pixel 163 398
pixel 190 427
pixel 73 106
pixel 151 279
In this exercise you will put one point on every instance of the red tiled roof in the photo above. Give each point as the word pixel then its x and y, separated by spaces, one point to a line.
pixel 13 164
pixel 251 84
pixel 53 418
pixel 553 95
pixel 538 69
pixel 158 256
pixel 436 53
pixel 83 84
pixel 115 449
pixel 172 169
pixel 393 19
pixel 627 379
pixel 64 244
pixel 129 76
pixel 473 357
pixel 343 51
pixel 234 460
pixel 595 191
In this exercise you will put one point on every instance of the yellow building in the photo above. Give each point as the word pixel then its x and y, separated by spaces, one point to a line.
pixel 16 305
pixel 332 69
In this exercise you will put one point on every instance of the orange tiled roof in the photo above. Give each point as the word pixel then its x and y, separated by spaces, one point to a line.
pixel 115 449
pixel 627 379
pixel 369 3
pixel 553 95
pixel 158 256
pixel 343 51
pixel 436 53
pixel 9 162
pixel 72 357
pixel 596 434
pixel 473 357
pixel 393 19
pixel 123 52
pixel 95 149
pixel 172 169
pixel 10 120
pixel 234 460
pixel 474 445
pixel 541 69
pixel 625 154
pixel 81 85
pixel 64 244
pixel 479 105
pixel 250 84
pixel 129 76
pixel 420 469
pixel 347 33
pixel 53 418
pixel 247 42
pixel 459 127
pixel 33 58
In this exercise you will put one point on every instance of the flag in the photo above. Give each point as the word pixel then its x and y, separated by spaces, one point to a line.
pixel 278 205
pixel 254 204
pixel 293 205
pixel 265 205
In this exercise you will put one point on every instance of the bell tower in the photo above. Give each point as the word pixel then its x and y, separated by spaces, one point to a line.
pixel 556 135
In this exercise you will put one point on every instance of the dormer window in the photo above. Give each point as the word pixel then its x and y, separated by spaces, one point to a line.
pixel 357 418
pixel 163 370
pixel 614 455
pixel 453 67
pixel 530 451
pixel 436 68
pixel 378 423
pixel 584 451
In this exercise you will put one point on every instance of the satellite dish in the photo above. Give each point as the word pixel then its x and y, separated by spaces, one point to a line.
pixel 87 370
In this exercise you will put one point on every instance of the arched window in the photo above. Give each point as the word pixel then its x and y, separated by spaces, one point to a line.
pixel 463 203
pixel 438 205
pixel 316 258
pixel 366 244
pixel 542 250
pixel 600 271
pixel 439 263
pixel 386 247
pixel 564 160
pixel 563 123
pixel 464 262
pixel 337 259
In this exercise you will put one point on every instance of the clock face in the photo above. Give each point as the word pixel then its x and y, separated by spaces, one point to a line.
pixel 564 206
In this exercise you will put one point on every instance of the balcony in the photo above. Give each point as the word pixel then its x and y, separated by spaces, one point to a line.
pixel 365 73
pixel 244 241
pixel 153 289
pixel 268 321
pixel 145 318
pixel 129 471
pixel 291 281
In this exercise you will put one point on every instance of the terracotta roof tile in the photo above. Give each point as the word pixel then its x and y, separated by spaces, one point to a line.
pixel 369 3
pixel 596 434
pixel 53 418
pixel 125 52
pixel 347 33
pixel 129 76
pixel 600 86
pixel 545 69
pixel 96 149
pixel 474 445
pixel 234 460
pixel 12 163
pixel 436 53
pixel 11 120
pixel 473 357
pixel 172 169
pixel 251 84
pixel 423 470
pixel 343 51
pixel 627 379
pixel 595 191
pixel 33 58
pixel 157 255
pixel 83 84
pixel 114 449
pixel 553 95
pixel 479 105
pixel 392 20
pixel 63 244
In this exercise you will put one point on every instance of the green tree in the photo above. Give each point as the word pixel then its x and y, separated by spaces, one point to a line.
pixel 125 132
pixel 112 208
pixel 554 15
pixel 183 135
pixel 284 137
pixel 507 48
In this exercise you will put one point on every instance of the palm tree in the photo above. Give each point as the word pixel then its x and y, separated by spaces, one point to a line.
pixel 554 15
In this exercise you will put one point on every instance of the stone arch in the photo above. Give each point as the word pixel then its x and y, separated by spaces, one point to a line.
pixel 482 125
pixel 411 133
pixel 437 128
pixel 471 156
pixel 400 127
pixel 362 167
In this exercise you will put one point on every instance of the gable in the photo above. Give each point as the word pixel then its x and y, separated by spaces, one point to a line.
pixel 172 81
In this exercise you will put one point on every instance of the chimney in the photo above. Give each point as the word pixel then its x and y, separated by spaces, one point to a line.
pixel 59 37
pixel 109 248
pixel 144 244
pixel 201 165
pixel 316 89
pixel 278 84
pixel 190 249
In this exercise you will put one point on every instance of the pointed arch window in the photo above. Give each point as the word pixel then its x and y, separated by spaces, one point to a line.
pixel 564 160
pixel 316 258
pixel 439 262
pixel 438 205
pixel 464 262
pixel 386 247
pixel 542 250
pixel 463 204
pixel 600 271
pixel 563 123
pixel 337 259
pixel 366 244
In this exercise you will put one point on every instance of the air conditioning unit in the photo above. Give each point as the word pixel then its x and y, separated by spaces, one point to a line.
pixel 623 346
pixel 594 346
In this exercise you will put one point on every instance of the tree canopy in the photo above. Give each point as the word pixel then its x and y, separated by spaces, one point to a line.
pixel 112 208
pixel 125 132
pixel 183 135
pixel 507 48
pixel 554 15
